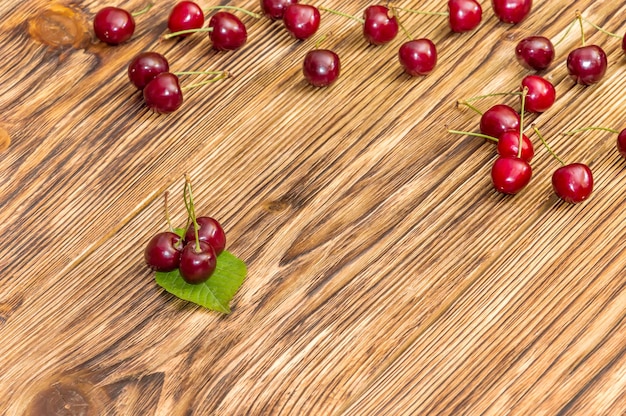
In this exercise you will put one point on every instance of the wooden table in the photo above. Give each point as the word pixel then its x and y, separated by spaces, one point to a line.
pixel 386 276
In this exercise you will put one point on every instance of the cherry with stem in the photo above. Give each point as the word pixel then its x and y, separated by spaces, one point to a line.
pixel 587 64
pixel 463 15
pixel 380 25
pixel 114 25
pixel 163 251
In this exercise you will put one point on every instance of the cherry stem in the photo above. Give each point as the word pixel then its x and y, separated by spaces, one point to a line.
pixel 615 35
pixel 187 31
pixel 521 123
pixel 320 41
pixel 406 32
pixel 191 210
pixel 572 132
pixel 239 9
pixel 465 103
pixel 569 28
pixel 422 12
pixel 167 213
pixel 469 133
pixel 546 145
pixel 579 17
pixel 495 94
pixel 223 74
pixel 186 203
pixel 338 13
pixel 142 11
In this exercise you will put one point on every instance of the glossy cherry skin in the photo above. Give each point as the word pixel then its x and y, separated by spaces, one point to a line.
pixel 573 183
pixel 418 56
pixel 587 65
pixel 197 266
pixel 163 252
pixel 321 67
pixel 535 52
pixel 624 43
pixel 163 93
pixel 210 231
pixel 228 32
pixel 464 15
pixel 145 67
pixel 498 120
pixel 509 175
pixel 274 9
pixel 508 145
pixel 301 20
pixel 511 11
pixel 621 143
pixel 380 25
pixel 541 93
pixel 185 15
pixel 113 25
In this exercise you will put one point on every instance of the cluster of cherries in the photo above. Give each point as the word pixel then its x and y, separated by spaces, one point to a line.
pixel 195 254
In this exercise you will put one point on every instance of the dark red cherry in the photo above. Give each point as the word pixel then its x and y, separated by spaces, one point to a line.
pixel 508 145
pixel 210 231
pixel 163 93
pixel 541 93
pixel 587 65
pixel 624 43
pixel 621 143
pixel 510 175
pixel 418 57
pixel 145 66
pixel 301 20
pixel 464 15
pixel 274 9
pixel 380 25
pixel 163 252
pixel 511 11
pixel 535 52
pixel 197 266
pixel 185 15
pixel 573 183
pixel 498 120
pixel 113 25
pixel 228 32
pixel 321 67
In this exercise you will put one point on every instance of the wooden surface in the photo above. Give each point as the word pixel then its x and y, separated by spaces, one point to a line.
pixel 386 277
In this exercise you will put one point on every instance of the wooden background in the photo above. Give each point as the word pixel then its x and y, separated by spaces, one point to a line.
pixel 386 277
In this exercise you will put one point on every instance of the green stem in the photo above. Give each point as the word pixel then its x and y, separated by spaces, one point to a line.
pixel 582 30
pixel 423 12
pixel 569 28
pixel 521 123
pixel 338 13
pixel 192 210
pixel 546 145
pixel 468 133
pixel 167 212
pixel 239 9
pixel 495 94
pixel 465 103
pixel 224 74
pixel 142 11
pixel 187 31
pixel 615 35
pixel 402 27
pixel 572 132
pixel 320 41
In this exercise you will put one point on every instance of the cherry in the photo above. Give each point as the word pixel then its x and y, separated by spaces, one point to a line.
pixel 301 20
pixel 587 65
pixel 227 31
pixel 197 264
pixel 508 145
pixel 163 93
pixel 509 175
pixel 621 143
pixel 185 15
pixel 624 43
pixel 380 26
pixel 321 67
pixel 418 57
pixel 145 66
pixel 464 15
pixel 162 253
pixel 113 25
pixel 541 93
pixel 511 11
pixel 498 120
pixel 210 231
pixel 535 52
pixel 274 9
pixel 573 183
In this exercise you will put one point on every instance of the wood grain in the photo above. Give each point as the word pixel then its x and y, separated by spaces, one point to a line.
pixel 385 275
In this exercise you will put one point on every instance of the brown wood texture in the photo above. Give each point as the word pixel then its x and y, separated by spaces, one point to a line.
pixel 386 276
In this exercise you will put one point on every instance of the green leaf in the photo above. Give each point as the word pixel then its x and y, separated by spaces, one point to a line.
pixel 217 292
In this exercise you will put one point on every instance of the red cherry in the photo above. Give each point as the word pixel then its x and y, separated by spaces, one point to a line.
pixel 113 25
pixel 541 93
pixel 301 20
pixel 511 11
pixel 624 43
pixel 185 15
pixel 163 252
pixel 228 32
pixel 321 67
pixel 587 65
pixel 380 25
pixel 144 67
pixel 418 57
pixel 621 143
pixel 197 266
pixel 464 15
pixel 535 52
pixel 573 183
pixel 510 175
pixel 274 9
pixel 210 231
pixel 163 93
pixel 508 145
pixel 498 120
